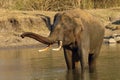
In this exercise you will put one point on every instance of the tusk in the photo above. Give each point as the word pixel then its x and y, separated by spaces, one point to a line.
pixel 41 50
pixel 60 46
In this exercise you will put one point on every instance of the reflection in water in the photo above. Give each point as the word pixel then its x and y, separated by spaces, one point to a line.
pixel 73 75
pixel 78 75
pixel 29 64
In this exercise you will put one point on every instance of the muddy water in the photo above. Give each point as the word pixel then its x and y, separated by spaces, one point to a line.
pixel 29 64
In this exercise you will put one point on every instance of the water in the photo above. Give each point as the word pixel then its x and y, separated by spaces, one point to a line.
pixel 29 64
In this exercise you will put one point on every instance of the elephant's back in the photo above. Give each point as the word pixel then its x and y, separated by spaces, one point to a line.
pixel 92 26
pixel 81 14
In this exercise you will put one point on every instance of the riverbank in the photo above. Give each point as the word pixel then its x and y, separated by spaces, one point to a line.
pixel 14 23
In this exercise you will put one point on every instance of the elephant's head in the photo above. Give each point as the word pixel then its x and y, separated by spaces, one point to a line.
pixel 64 29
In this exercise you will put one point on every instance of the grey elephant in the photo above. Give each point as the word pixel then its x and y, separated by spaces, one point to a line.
pixel 79 34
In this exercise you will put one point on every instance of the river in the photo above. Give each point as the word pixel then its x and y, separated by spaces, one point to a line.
pixel 29 64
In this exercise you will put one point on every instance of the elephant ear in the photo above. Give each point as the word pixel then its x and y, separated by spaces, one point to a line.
pixel 79 27
pixel 72 22
pixel 56 19
pixel 57 15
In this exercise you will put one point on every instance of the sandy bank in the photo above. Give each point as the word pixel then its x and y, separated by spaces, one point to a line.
pixel 13 23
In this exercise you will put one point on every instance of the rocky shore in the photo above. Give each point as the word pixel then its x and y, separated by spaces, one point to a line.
pixel 114 29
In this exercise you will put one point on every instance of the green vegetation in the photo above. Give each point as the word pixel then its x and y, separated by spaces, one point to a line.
pixel 57 5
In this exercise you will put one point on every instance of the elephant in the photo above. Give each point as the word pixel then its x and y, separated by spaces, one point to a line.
pixel 78 32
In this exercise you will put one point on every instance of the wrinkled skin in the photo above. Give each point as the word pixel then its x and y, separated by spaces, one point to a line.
pixel 81 34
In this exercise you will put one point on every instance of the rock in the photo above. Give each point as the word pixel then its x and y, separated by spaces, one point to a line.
pixel 111 40
pixel 114 25
pixel 115 38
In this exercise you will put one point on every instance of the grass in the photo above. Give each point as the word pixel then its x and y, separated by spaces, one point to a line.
pixel 57 5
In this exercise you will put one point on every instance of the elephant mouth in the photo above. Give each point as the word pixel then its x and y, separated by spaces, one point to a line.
pixel 54 49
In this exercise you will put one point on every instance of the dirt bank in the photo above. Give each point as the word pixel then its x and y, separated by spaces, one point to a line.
pixel 13 23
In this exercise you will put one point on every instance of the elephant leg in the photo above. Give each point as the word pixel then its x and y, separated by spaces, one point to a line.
pixel 92 62
pixel 70 59
pixel 84 59
pixel 93 58
pixel 76 58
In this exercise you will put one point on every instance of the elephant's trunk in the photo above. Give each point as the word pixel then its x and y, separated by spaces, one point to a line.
pixel 43 40
pixel 37 37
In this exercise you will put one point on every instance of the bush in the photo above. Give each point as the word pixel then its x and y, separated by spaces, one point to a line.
pixel 57 5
